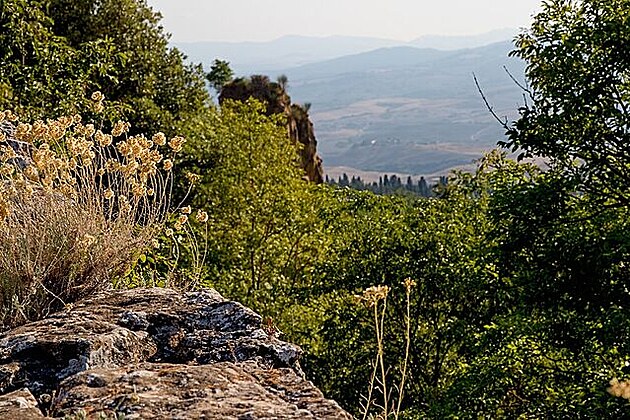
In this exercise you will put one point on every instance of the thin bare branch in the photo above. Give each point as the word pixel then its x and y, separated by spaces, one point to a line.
pixel 519 84
pixel 503 123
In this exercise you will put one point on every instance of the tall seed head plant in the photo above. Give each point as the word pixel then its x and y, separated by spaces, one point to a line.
pixel 391 404
pixel 77 205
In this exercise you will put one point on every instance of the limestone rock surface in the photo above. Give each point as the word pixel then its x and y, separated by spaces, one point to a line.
pixel 19 404
pixel 155 353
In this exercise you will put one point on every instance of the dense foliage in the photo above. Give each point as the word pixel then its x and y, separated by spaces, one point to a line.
pixel 578 65
pixel 55 53
pixel 520 303
pixel 391 184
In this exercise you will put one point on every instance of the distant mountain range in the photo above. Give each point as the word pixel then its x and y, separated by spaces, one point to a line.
pixel 458 42
pixel 290 51
pixel 393 108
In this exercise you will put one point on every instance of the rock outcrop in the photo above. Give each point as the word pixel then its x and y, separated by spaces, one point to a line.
pixel 299 125
pixel 155 353
pixel 23 151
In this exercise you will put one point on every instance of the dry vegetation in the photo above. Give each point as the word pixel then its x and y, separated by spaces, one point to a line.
pixel 77 205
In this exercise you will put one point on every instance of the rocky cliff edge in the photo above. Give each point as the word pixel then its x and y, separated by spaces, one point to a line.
pixel 155 353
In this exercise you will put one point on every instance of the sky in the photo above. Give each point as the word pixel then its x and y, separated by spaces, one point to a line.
pixel 404 20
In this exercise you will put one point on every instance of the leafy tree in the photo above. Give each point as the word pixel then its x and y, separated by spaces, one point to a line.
pixel 40 71
pixel 220 74
pixel 564 243
pixel 283 81
pixel 578 65
pixel 60 51
pixel 263 231
pixel 558 334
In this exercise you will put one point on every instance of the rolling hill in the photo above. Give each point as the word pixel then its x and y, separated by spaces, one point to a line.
pixel 387 107
pixel 408 110
pixel 288 51
pixel 295 50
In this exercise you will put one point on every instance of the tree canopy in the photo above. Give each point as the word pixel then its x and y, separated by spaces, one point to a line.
pixel 220 74
pixel 578 68
pixel 55 53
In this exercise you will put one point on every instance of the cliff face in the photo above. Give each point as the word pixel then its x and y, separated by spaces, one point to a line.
pixel 155 353
pixel 299 126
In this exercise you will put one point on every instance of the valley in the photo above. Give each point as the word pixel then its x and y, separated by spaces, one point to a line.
pixel 399 109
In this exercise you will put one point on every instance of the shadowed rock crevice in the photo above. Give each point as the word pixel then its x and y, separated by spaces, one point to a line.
pixel 156 353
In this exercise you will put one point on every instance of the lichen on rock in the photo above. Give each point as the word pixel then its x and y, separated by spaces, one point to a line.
pixel 156 353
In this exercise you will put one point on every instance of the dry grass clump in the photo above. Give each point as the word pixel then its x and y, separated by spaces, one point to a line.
pixel 77 205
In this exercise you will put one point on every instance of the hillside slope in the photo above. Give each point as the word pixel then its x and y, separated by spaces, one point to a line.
pixel 406 109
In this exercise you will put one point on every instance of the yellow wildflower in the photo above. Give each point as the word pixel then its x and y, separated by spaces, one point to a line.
pixel 373 294
pixel 23 132
pixel 7 153
pixel 192 178
pixel 65 121
pixel 144 142
pixel 10 116
pixel 409 283
pixel 139 190
pixel 136 150
pixel 89 130
pixel 202 216
pixel 619 388
pixel 120 127
pixel 98 96
pixel 176 143
pixel 102 139
pixel 159 139
pixel 123 148
pixel 40 130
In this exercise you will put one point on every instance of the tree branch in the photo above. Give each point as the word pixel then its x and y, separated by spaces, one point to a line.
pixel 504 124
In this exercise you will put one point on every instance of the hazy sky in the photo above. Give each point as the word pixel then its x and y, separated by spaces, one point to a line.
pixel 263 20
